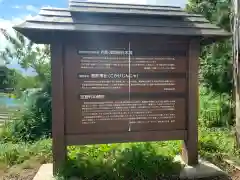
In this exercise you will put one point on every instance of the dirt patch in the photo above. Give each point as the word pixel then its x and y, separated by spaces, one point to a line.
pixel 24 171
pixel 26 174
pixel 236 175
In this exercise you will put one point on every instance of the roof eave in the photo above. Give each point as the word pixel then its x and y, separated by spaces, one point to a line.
pixel 38 35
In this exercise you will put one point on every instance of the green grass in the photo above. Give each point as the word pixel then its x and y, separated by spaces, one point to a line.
pixel 145 160
pixel 218 144
pixel 215 110
pixel 122 161
pixel 13 154
pixel 218 140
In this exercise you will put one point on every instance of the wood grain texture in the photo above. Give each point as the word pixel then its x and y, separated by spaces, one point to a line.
pixel 190 145
pixel 76 139
pixel 58 116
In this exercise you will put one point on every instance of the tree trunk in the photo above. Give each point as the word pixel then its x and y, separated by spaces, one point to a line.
pixel 236 48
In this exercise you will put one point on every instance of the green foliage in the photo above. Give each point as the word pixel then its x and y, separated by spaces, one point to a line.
pixel 216 145
pixel 35 122
pixel 26 82
pixel 16 81
pixel 216 67
pixel 218 12
pixel 216 140
pixel 19 82
pixel 216 59
pixel 216 110
pixel 27 54
pixel 12 154
pixel 122 161
pixel 143 160
pixel 10 78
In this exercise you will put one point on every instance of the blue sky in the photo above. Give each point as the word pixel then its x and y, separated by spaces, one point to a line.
pixel 19 8
pixel 14 11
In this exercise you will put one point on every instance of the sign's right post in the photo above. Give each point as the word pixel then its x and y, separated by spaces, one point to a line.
pixel 190 144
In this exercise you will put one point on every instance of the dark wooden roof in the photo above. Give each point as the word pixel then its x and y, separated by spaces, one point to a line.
pixel 118 18
pixel 129 9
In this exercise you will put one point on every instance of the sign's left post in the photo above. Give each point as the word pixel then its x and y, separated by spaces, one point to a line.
pixel 58 107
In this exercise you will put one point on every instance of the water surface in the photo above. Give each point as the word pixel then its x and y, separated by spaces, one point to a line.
pixel 9 101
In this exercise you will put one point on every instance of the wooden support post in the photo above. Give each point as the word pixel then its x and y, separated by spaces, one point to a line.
pixel 58 123
pixel 190 145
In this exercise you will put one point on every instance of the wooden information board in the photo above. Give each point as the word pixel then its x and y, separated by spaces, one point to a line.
pixel 115 88
pixel 122 73
pixel 125 89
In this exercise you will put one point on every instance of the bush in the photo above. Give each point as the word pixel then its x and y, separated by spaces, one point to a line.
pixel 216 140
pixel 215 110
pixel 12 154
pixel 216 67
pixel 216 145
pixel 35 122
pixel 123 161
pixel 153 160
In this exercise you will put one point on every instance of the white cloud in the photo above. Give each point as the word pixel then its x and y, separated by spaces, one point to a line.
pixel 27 7
pixel 32 8
pixel 17 7
pixel 7 25
pixel 47 6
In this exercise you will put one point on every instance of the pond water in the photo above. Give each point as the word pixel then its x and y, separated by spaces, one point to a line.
pixel 9 102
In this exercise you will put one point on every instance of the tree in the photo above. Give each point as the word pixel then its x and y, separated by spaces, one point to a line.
pixel 9 79
pixel 216 11
pixel 216 64
pixel 2 77
pixel 36 120
pixel 216 59
pixel 27 54
pixel 15 81
pixel 236 55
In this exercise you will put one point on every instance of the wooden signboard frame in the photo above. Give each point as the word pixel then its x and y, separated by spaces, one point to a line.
pixel 61 139
pixel 77 121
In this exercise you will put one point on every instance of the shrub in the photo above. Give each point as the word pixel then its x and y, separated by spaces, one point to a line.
pixel 12 154
pixel 35 122
pixel 122 161
pixel 153 160
pixel 216 110
pixel 216 145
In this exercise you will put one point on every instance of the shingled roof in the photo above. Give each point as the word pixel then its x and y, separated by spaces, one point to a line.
pixel 119 18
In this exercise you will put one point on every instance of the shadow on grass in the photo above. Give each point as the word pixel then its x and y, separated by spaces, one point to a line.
pixel 138 161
